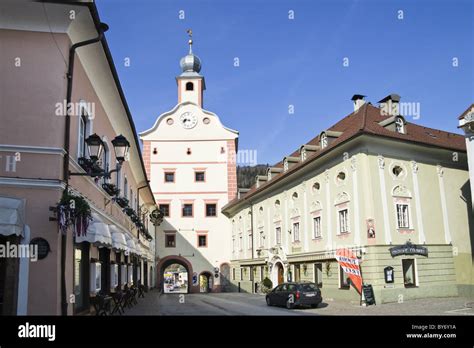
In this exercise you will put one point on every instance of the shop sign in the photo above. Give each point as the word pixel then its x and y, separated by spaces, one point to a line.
pixel 408 249
pixel 350 264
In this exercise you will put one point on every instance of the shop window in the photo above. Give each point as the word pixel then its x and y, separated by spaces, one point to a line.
pixel 403 215
pixel 170 240
pixel 165 209
pixel 409 273
pixel 318 274
pixel 169 177
pixel 187 210
pixel 211 209
pixel 344 280
pixel 233 273
pixel 317 227
pixel 81 268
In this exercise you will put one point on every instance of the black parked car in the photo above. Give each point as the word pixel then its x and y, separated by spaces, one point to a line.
pixel 295 294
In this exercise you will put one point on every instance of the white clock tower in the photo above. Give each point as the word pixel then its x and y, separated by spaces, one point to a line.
pixel 190 159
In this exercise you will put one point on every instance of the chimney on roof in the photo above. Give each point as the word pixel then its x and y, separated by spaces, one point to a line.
pixel 358 100
pixel 389 105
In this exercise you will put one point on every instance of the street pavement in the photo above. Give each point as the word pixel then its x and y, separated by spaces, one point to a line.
pixel 222 304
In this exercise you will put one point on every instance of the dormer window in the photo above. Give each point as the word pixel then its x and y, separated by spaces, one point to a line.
pixel 303 154
pixel 189 86
pixel 399 125
pixel 324 140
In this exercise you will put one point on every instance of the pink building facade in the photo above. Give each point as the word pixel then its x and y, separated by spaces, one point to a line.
pixel 34 138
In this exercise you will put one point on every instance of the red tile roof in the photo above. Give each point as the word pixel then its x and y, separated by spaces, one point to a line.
pixel 366 121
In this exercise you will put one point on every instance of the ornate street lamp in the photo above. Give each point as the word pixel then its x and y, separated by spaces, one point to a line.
pixel 95 145
pixel 121 147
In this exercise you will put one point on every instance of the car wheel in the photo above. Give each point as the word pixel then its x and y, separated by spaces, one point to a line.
pixel 269 303
pixel 289 304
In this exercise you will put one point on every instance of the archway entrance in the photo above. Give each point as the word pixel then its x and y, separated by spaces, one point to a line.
pixel 175 279
pixel 174 275
pixel 205 282
pixel 280 272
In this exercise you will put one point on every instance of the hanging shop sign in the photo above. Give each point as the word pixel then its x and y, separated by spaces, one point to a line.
pixel 43 247
pixel 195 278
pixel 350 265
pixel 408 249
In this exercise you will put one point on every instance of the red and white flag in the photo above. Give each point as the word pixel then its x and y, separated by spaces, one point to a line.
pixel 350 264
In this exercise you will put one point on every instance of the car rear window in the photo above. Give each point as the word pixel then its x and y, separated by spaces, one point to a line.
pixel 309 287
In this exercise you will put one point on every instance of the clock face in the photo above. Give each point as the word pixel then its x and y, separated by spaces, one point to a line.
pixel 188 120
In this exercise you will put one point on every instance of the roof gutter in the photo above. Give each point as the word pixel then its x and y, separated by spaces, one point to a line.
pixel 95 16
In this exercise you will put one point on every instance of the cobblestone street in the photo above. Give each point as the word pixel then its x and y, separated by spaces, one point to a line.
pixel 155 303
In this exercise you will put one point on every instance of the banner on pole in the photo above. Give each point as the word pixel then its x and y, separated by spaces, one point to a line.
pixel 350 264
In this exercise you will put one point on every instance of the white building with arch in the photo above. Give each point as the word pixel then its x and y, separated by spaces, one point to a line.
pixel 190 157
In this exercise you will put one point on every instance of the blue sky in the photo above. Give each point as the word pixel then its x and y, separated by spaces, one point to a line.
pixel 295 62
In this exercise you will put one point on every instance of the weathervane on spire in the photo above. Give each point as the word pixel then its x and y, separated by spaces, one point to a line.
pixel 190 34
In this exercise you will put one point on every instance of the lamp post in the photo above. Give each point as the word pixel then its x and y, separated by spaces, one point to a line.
pixel 95 146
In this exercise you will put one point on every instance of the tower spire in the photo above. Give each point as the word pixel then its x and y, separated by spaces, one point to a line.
pixel 190 41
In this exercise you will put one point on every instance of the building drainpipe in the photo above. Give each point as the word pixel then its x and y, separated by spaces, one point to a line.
pixel 72 50
pixel 251 228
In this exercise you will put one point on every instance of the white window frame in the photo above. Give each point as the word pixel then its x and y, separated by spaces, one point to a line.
pixel 315 235
pixel 278 235
pixel 262 239
pixel 324 140
pixel 397 201
pixel 415 269
pixel 249 240
pixel 81 147
pixel 404 214
pixel 399 125
pixel 296 231
pixel 240 242
pixel 303 155
pixel 347 222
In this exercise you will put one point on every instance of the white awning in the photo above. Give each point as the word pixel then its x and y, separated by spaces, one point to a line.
pixel 98 233
pixel 12 216
pixel 118 238
pixel 132 248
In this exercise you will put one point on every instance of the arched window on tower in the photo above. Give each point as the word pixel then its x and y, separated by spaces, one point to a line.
pixel 189 86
